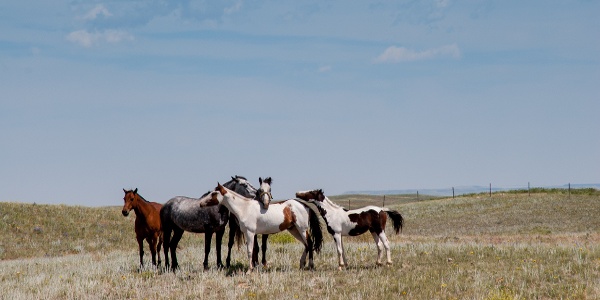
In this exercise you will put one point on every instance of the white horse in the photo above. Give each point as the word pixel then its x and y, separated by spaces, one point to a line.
pixel 341 222
pixel 297 218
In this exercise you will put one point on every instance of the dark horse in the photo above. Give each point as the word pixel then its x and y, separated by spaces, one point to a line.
pixel 202 215
pixel 147 223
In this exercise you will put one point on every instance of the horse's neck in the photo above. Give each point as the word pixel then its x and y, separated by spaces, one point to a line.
pixel 244 193
pixel 330 207
pixel 142 208
pixel 237 206
pixel 240 189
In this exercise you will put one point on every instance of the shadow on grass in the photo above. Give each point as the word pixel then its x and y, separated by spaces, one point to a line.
pixel 236 269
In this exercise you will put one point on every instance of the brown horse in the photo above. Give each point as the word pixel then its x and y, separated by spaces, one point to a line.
pixel 147 223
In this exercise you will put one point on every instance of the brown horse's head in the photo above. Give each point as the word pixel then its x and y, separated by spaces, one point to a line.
pixel 314 195
pixel 129 201
pixel 264 192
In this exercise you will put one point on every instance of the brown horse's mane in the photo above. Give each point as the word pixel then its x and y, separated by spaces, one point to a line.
pixel 141 197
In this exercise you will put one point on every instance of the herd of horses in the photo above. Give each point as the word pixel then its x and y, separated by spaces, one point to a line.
pixel 250 212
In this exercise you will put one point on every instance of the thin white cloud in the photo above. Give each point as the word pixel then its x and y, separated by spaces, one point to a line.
pixel 88 39
pixel 116 36
pixel 234 8
pixel 81 37
pixel 395 54
pixel 324 69
pixel 442 3
pixel 95 12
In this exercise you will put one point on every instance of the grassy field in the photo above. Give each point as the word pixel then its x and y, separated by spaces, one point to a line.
pixel 509 246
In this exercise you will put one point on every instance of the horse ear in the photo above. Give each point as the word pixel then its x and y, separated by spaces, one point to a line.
pixel 124 191
pixel 232 178
pixel 221 189
pixel 268 180
pixel 135 191
pixel 260 180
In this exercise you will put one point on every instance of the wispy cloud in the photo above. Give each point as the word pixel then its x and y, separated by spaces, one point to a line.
pixel 95 12
pixel 234 8
pixel 324 69
pixel 395 54
pixel 88 39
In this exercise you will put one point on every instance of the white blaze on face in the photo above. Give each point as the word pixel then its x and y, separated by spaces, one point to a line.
pixel 265 194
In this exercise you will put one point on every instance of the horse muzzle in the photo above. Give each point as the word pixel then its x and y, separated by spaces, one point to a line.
pixel 125 212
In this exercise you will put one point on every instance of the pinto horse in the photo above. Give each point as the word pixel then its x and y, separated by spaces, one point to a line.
pixel 202 215
pixel 147 223
pixel 291 215
pixel 341 222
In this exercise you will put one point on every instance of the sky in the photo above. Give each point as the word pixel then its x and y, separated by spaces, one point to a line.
pixel 171 97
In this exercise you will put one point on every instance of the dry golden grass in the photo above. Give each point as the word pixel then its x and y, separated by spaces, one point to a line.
pixel 511 246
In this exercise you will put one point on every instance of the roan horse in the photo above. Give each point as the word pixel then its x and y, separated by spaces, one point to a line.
pixel 341 222
pixel 202 215
pixel 147 223
pixel 297 218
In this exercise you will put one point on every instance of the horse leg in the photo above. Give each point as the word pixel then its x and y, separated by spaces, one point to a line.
pixel 255 251
pixel 233 228
pixel 344 253
pixel 219 239
pixel 207 240
pixel 166 244
pixel 249 247
pixel 302 238
pixel 152 243
pixel 379 245
pixel 264 249
pixel 386 244
pixel 160 242
pixel 177 233
pixel 140 241
pixel 311 264
pixel 337 237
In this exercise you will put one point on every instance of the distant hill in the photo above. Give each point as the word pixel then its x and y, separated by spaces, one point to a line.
pixel 460 190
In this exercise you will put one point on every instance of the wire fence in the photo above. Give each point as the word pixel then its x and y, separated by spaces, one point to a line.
pixel 458 191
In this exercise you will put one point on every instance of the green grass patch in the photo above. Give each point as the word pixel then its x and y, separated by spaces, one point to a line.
pixel 282 238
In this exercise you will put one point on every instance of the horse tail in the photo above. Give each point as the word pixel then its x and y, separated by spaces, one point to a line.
pixel 397 219
pixel 239 235
pixel 316 232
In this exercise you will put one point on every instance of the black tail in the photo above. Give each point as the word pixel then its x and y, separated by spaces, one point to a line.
pixel 397 219
pixel 239 236
pixel 316 232
pixel 234 228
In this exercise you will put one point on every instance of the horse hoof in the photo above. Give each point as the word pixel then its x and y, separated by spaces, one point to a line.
pixel 389 263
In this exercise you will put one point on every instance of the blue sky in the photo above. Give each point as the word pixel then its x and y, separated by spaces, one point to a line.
pixel 173 96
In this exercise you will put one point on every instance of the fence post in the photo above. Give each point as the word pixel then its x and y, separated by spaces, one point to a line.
pixel 348 204
pixel 490 190
pixel 569 190
pixel 452 192
pixel 383 201
pixel 528 189
pixel 417 195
